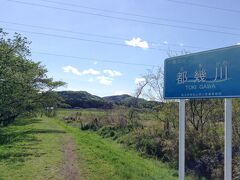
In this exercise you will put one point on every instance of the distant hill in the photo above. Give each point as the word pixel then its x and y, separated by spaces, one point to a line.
pixel 82 99
pixel 124 99
pixel 127 100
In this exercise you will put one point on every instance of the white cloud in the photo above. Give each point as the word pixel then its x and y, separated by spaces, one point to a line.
pixel 71 69
pixel 165 42
pixel 91 80
pixel 112 73
pixel 137 42
pixel 181 44
pixel 140 80
pixel 238 43
pixel 90 72
pixel 105 80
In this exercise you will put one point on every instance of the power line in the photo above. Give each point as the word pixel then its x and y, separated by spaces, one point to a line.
pixel 139 15
pixel 67 37
pixel 86 40
pixel 126 19
pixel 94 59
pixel 205 6
pixel 94 35
pixel 63 30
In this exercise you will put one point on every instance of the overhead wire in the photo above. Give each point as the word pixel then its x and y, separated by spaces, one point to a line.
pixel 98 35
pixel 93 59
pixel 205 6
pixel 87 40
pixel 125 19
pixel 110 37
pixel 139 15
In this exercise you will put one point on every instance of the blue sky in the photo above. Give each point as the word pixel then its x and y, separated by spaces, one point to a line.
pixel 152 37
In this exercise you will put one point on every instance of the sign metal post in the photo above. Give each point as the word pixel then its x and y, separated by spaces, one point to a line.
pixel 228 140
pixel 181 139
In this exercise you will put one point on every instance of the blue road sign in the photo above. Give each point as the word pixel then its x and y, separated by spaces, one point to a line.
pixel 208 74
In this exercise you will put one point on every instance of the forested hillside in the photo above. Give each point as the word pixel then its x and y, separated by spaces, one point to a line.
pixel 130 101
pixel 82 99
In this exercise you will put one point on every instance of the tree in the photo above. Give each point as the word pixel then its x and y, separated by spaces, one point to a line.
pixel 152 88
pixel 24 83
pixel 201 111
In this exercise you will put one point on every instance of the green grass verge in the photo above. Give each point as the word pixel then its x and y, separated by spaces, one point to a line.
pixel 104 159
pixel 31 149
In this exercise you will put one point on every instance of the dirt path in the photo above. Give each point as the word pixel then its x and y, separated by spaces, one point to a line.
pixel 71 170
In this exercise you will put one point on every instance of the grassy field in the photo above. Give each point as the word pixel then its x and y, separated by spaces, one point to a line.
pixel 108 160
pixel 145 117
pixel 33 149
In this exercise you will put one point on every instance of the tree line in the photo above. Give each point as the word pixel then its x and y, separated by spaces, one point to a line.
pixel 25 87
